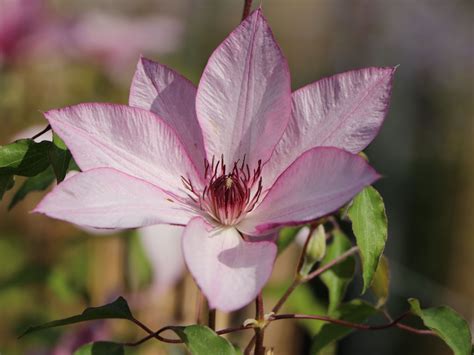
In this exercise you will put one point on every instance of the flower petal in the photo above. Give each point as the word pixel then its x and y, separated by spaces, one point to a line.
pixel 344 111
pixel 108 198
pixel 319 182
pixel 158 89
pixel 243 101
pixel 162 244
pixel 229 271
pixel 132 140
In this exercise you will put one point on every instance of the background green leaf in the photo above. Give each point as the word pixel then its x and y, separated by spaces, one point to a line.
pixel 355 311
pixel 339 276
pixel 447 324
pixel 24 157
pixel 369 223
pixel 116 310
pixel 39 182
pixel 6 183
pixel 201 340
pixel 286 237
pixel 100 348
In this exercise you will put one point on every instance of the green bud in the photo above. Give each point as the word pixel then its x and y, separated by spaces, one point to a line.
pixel 315 251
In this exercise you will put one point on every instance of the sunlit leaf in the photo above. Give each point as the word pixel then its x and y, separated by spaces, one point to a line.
pixel 39 182
pixel 60 157
pixel 116 310
pixel 447 324
pixel 355 311
pixel 100 348
pixel 24 157
pixel 369 223
pixel 201 340
pixel 381 283
pixel 340 275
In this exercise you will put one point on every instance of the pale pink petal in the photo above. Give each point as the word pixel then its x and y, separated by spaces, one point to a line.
pixel 161 90
pixel 162 244
pixel 243 101
pixel 132 140
pixel 343 111
pixel 229 271
pixel 319 182
pixel 107 198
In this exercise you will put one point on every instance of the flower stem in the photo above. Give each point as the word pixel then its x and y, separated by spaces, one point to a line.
pixel 48 127
pixel 329 265
pixel 259 332
pixel 211 320
pixel 298 280
pixel 247 7
pixel 199 306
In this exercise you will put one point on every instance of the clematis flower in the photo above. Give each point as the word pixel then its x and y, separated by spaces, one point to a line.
pixel 232 160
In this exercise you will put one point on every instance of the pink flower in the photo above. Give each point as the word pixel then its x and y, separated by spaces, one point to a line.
pixel 19 19
pixel 115 41
pixel 162 244
pixel 232 160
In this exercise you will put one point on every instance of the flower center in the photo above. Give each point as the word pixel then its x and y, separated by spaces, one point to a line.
pixel 228 195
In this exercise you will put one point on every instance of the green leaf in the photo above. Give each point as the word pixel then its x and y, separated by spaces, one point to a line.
pixel 116 310
pixel 286 237
pixel 60 157
pixel 369 223
pixel 201 340
pixel 339 276
pixel 39 182
pixel 447 324
pixel 24 157
pixel 355 311
pixel 381 284
pixel 101 348
pixel 6 183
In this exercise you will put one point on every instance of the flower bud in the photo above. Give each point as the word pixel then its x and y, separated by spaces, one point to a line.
pixel 315 250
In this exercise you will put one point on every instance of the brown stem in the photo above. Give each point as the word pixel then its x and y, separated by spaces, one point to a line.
pixel 247 7
pixel 299 280
pixel 199 306
pixel 157 335
pixel 305 247
pixel 408 328
pixel 48 127
pixel 259 332
pixel 339 321
pixel 329 265
pixel 296 282
pixel 178 314
pixel 211 320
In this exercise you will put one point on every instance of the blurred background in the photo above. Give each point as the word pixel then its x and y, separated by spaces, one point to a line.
pixel 62 52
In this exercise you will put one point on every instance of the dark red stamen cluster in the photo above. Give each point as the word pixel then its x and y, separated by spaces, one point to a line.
pixel 228 195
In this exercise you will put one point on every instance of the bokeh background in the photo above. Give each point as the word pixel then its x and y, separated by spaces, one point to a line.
pixel 64 52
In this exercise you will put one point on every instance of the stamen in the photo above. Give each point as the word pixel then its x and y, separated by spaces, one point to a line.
pixel 227 196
